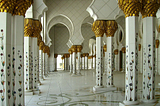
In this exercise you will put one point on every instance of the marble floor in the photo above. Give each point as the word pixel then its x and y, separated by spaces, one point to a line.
pixel 62 89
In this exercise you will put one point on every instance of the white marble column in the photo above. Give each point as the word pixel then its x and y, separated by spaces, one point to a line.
pixel 65 62
pixel 45 56
pixel 110 60
pixel 27 54
pixel 116 60
pixel 91 62
pixel 99 29
pixel 105 59
pixel 99 67
pixel 83 60
pixel 94 62
pixel 17 49
pixel 156 56
pixel 38 42
pixel 5 59
pixel 140 58
pixel 41 60
pixel 74 49
pixel 70 64
pixel 131 60
pixel 79 48
pixel 123 59
pixel 55 61
pixel 111 28
pixel 34 49
pixel 149 59
pixel 86 61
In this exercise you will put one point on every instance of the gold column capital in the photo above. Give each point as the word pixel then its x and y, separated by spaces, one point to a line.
pixel 28 27
pixel 123 50
pixel 70 50
pixel 21 7
pixel 74 48
pixel 84 54
pixel 111 28
pixel 130 7
pixel 98 28
pixel 55 55
pixel 87 54
pixel 39 39
pixel 157 43
pixel 41 45
pixel 7 6
pixel 149 8
pixel 105 48
pixel 37 27
pixel 62 57
pixel 116 52
pixel 48 51
pixel 79 48
pixel 66 55
pixel 90 57
pixel 44 49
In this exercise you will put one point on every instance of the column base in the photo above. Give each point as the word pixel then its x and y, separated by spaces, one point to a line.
pixel 36 92
pixel 129 103
pixel 73 75
pixel 79 74
pixel 108 86
pixel 42 79
pixel 39 83
pixel 149 101
pixel 29 92
pixel 103 88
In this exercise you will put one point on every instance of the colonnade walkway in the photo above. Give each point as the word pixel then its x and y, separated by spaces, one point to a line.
pixel 61 89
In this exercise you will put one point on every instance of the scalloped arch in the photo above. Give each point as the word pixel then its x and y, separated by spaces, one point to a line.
pixel 61 19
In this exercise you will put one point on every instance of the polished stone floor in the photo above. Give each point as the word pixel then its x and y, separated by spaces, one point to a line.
pixel 62 89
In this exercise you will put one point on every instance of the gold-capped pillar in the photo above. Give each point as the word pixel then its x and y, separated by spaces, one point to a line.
pixel 156 57
pixel 55 61
pixel 79 48
pixel 110 31
pixel 99 30
pixel 36 32
pixel 39 39
pixel 131 9
pixel 6 11
pixel 83 61
pixel 20 8
pixel 149 10
pixel 28 69
pixel 70 65
pixel 116 62
pixel 65 62
pixel 41 45
pixel 94 61
pixel 45 60
pixel 86 61
pixel 123 59
pixel 74 49
pixel 90 61
pixel 105 58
